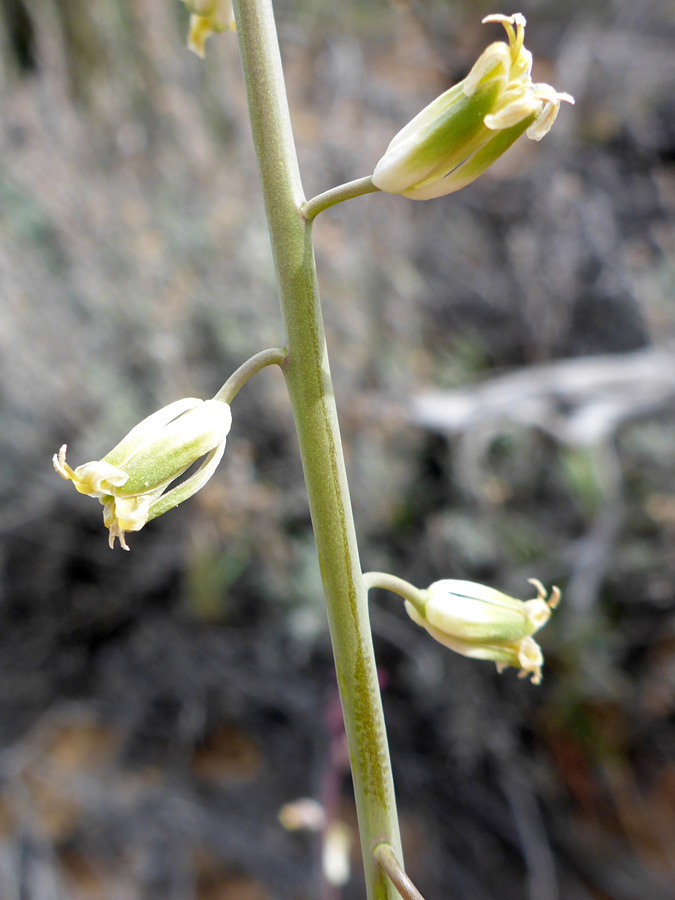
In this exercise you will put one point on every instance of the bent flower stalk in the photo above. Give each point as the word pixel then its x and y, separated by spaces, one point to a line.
pixel 482 623
pixel 131 481
pixel 461 133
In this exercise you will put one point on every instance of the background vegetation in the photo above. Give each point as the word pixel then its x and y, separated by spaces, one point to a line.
pixel 506 379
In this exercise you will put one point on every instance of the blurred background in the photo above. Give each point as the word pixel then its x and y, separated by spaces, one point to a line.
pixel 505 377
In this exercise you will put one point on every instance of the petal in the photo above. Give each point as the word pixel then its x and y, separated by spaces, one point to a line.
pixel 98 478
pixel 506 655
pixel 472 168
pixel 530 659
pixel 223 17
pixel 521 67
pixel 476 622
pixel 147 429
pixel 551 101
pixel 199 30
pixel 428 116
pixel 435 135
pixel 538 612
pixel 493 63
pixel 475 591
pixel 448 133
pixel 518 104
pixel 177 446
pixel 132 512
pixel 190 486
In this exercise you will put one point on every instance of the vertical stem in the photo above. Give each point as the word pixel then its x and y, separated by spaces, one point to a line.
pixel 311 393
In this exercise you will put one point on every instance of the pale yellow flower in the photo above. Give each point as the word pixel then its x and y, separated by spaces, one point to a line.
pixel 482 623
pixel 461 133
pixel 132 481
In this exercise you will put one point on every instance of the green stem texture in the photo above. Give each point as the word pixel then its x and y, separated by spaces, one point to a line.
pixel 311 392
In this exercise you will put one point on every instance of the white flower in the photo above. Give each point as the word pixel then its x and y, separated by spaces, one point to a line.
pixel 132 481
pixel 482 623
pixel 461 133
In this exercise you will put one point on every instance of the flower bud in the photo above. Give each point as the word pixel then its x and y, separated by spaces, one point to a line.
pixel 461 133
pixel 482 623
pixel 208 17
pixel 131 482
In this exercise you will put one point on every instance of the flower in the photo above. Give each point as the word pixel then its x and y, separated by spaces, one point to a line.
pixel 131 481
pixel 482 623
pixel 208 17
pixel 460 134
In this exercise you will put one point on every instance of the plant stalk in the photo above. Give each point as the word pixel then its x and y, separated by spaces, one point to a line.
pixel 311 393
pixel 273 357
pixel 396 585
pixel 311 209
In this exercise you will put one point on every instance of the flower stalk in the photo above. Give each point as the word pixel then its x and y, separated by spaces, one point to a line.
pixel 246 371
pixel 311 209
pixel 310 389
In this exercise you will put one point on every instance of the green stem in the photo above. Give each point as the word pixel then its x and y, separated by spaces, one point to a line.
pixel 397 585
pixel 311 209
pixel 236 381
pixel 311 393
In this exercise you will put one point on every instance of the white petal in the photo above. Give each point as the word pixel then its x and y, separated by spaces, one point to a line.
pixel 190 486
pixel 495 58
pixel 98 478
pixel 147 429
pixel 512 113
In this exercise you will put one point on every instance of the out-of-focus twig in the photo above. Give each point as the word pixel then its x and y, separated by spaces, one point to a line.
pixel 387 859
pixel 578 401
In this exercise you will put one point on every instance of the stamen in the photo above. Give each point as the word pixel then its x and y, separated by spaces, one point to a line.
pixel 61 466
pixel 554 599
pixel 541 590
pixel 517 36
pixel 520 22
